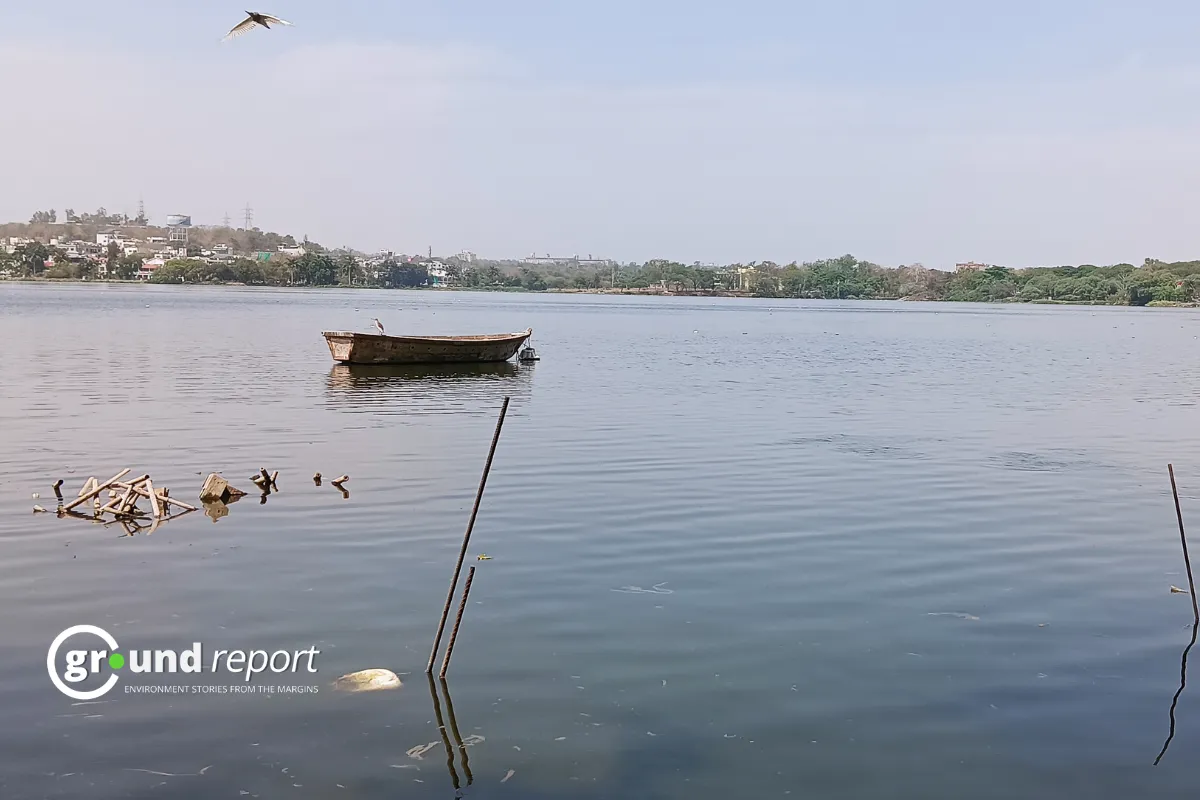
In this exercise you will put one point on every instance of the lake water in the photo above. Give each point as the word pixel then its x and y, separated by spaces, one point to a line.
pixel 884 550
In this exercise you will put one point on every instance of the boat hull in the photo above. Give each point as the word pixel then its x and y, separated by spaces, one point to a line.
pixel 371 348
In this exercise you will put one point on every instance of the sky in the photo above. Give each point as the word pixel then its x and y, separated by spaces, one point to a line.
pixel 926 131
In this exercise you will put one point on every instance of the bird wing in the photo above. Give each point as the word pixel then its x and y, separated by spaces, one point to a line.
pixel 276 20
pixel 237 30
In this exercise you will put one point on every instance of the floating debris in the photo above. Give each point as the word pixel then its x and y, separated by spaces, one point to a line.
pixel 265 481
pixel 473 739
pixel 36 495
pixel 368 680
pixel 508 775
pixel 655 589
pixel 39 510
pixel 317 479
pixel 171 774
pixel 959 614
pixel 123 499
pixel 420 750
pixel 483 557
pixel 217 490
pixel 1174 589
pixel 340 480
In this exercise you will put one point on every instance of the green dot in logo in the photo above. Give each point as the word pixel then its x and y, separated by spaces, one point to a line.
pixel 116 661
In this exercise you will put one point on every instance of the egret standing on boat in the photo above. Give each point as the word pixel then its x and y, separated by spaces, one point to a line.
pixel 253 20
pixel 379 327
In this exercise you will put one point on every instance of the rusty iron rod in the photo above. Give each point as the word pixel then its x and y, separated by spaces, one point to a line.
pixel 1183 538
pixel 457 622
pixel 462 553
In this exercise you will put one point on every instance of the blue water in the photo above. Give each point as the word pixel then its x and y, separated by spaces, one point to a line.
pixel 892 550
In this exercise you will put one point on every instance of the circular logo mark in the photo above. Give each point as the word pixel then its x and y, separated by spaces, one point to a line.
pixel 52 667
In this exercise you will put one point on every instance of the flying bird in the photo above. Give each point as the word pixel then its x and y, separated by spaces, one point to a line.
pixel 253 20
pixel 379 327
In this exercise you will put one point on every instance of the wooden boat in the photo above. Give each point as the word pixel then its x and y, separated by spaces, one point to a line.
pixel 372 348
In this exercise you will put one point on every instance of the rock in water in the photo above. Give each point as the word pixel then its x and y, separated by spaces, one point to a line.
pixel 368 680
pixel 217 489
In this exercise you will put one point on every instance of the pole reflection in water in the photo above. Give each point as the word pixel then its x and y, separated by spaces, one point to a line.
pixel 462 748
pixel 437 711
pixel 459 746
pixel 1175 700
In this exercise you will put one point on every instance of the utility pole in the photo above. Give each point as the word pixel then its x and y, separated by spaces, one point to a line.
pixel 225 220
pixel 249 216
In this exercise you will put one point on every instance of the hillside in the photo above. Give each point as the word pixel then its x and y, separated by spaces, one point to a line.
pixel 241 241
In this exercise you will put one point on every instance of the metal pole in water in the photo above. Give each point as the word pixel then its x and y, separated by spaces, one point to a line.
pixel 462 554
pixel 457 622
pixel 1183 538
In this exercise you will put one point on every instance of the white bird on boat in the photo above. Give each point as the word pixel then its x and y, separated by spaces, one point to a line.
pixel 379 327
pixel 254 19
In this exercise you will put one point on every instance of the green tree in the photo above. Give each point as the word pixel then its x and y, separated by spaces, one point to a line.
pixel 31 258
pixel 126 267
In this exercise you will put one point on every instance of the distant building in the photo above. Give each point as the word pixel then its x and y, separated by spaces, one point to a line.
pixel 104 239
pixel 969 266
pixel 566 261
pixel 296 250
pixel 467 257
pixel 148 268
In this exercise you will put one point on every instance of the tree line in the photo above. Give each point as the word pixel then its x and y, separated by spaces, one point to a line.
pixel 840 278
pixel 847 277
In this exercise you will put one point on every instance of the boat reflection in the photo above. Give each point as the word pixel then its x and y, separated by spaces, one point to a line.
pixel 424 389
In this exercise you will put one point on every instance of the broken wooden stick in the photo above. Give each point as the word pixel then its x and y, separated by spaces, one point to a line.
pixel 100 488
pixel 164 496
pixel 58 490
pixel 155 505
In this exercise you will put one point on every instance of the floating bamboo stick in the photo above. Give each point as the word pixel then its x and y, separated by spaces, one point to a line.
pixel 155 505
pixel 462 553
pixel 163 496
pixel 100 488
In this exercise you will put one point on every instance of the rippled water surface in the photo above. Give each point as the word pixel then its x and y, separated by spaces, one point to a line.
pixel 738 548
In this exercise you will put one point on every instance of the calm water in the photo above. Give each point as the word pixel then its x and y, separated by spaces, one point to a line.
pixel 900 550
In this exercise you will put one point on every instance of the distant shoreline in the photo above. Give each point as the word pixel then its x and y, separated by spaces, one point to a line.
pixel 626 292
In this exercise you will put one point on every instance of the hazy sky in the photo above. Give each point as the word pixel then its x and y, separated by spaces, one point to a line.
pixel 1019 133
